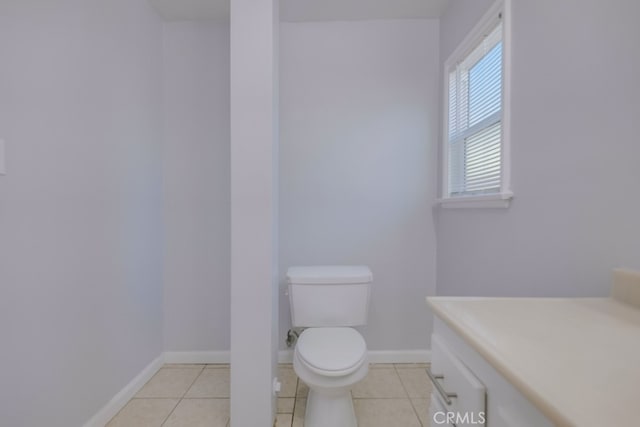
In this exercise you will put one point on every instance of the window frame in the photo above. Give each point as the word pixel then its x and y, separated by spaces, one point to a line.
pixel 502 198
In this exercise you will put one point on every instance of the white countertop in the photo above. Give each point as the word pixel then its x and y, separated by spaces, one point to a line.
pixel 576 359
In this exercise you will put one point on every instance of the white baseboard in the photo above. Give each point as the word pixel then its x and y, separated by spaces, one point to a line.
pixel 400 356
pixel 286 356
pixel 197 357
pixel 377 356
pixel 123 396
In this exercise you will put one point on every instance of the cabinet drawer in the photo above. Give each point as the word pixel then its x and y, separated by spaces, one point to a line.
pixel 454 377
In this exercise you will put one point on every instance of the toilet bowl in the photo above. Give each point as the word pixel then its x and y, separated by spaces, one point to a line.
pixel 330 361
pixel 330 355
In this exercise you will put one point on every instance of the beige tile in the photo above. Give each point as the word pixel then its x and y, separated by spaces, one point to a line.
pixel 218 366
pixel 298 413
pixel 211 383
pixel 289 380
pixel 200 413
pixel 170 382
pixel 415 381
pixel 284 420
pixel 285 405
pixel 303 389
pixel 379 383
pixel 144 413
pixel 385 413
pixel 422 409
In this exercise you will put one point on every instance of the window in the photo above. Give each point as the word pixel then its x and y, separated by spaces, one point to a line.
pixel 476 137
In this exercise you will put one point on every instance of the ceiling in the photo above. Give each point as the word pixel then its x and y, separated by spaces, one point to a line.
pixel 307 10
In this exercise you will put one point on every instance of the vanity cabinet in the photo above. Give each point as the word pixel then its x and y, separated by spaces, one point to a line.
pixel 467 391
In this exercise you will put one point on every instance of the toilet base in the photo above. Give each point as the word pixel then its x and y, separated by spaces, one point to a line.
pixel 329 403
pixel 329 410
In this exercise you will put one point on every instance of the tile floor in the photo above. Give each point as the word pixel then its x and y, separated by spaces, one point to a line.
pixel 198 395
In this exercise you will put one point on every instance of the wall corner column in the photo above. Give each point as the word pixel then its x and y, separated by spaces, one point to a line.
pixel 254 220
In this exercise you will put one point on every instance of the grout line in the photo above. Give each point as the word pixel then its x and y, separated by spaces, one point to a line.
pixel 184 394
pixel 415 412
pixel 171 412
pixel 406 393
pixel 295 400
pixel 192 383
pixel 134 396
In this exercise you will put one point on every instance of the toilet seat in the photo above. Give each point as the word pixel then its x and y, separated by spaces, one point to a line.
pixel 331 351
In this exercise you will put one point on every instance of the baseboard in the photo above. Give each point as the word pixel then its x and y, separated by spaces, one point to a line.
pixel 123 396
pixel 399 356
pixel 286 356
pixel 377 356
pixel 193 357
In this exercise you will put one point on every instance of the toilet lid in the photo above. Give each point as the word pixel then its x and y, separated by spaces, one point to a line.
pixel 332 350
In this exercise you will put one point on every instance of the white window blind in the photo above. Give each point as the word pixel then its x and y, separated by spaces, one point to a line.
pixel 475 119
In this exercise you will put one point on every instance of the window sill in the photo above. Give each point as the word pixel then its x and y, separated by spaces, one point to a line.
pixel 500 200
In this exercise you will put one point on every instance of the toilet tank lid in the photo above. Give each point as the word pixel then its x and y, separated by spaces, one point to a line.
pixel 329 274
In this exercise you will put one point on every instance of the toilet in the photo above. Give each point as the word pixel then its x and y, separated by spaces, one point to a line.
pixel 330 356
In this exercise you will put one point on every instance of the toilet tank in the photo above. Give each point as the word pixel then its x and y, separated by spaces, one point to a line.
pixel 329 296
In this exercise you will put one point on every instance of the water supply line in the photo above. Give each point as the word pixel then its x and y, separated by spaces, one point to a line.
pixel 292 337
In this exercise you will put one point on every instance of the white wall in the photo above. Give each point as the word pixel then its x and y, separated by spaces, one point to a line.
pixel 359 108
pixel 196 187
pixel 80 209
pixel 575 109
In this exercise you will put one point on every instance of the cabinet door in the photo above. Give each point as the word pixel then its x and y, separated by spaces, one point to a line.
pixel 455 378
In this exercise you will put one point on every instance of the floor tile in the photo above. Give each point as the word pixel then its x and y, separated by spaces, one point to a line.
pixel 286 404
pixel 303 389
pixel 200 413
pixel 289 380
pixel 170 382
pixel 422 409
pixel 298 413
pixel 211 383
pixel 385 413
pixel 284 420
pixel 380 383
pixel 218 366
pixel 415 381
pixel 144 413
pixel 390 395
